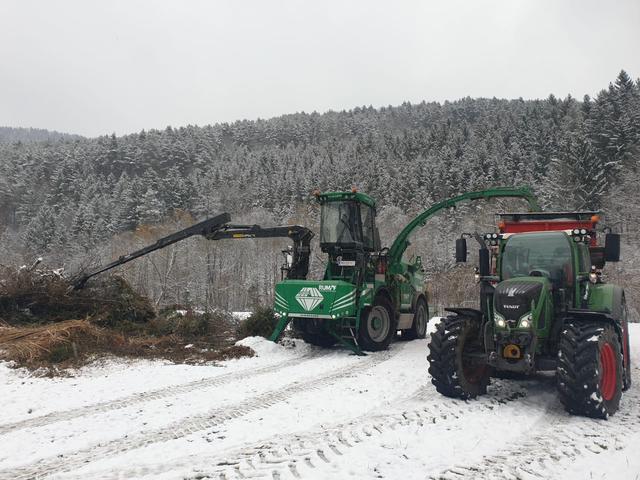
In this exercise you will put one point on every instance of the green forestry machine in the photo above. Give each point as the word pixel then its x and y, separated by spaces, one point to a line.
pixel 543 306
pixel 368 293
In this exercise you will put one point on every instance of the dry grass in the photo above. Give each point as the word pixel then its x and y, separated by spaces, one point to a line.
pixel 51 349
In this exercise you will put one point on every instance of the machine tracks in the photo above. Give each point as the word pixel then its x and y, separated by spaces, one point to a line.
pixel 297 455
pixel 150 395
pixel 294 456
pixel 196 423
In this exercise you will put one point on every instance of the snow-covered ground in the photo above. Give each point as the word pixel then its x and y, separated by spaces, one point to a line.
pixel 297 411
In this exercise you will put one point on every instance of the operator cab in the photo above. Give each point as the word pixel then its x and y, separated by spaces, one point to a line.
pixel 347 222
pixel 348 234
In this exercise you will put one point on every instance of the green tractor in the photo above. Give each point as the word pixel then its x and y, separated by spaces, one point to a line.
pixel 368 293
pixel 543 307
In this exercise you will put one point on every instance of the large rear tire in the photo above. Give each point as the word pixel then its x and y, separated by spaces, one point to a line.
pixel 589 373
pixel 456 363
pixel 419 326
pixel 377 326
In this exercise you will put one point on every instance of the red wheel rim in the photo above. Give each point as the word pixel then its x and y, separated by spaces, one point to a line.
pixel 608 374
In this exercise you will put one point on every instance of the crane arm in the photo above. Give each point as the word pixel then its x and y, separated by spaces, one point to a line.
pixel 217 228
pixel 203 228
pixel 301 237
pixel 400 244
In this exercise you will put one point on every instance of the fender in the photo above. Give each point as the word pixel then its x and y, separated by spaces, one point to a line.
pixel 578 314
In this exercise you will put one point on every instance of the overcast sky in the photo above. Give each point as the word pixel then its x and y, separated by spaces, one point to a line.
pixel 96 67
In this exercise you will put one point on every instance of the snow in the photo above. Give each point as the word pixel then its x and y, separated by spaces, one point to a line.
pixel 303 412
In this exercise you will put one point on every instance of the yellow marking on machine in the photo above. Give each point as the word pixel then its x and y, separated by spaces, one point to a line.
pixel 511 351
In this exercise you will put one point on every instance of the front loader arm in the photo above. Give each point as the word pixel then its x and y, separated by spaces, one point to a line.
pixel 400 244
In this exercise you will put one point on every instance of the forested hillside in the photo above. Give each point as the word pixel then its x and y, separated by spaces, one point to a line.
pixel 78 201
pixel 12 135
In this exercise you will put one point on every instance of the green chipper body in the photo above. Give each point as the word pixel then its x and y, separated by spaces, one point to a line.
pixel 368 293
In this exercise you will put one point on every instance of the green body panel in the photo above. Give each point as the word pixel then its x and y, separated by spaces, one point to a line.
pixel 605 298
pixel 542 307
pixel 327 299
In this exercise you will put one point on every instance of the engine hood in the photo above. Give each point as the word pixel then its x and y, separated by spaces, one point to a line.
pixel 513 298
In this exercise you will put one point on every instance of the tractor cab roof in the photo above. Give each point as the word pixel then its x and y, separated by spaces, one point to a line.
pixel 342 196
pixel 580 223
pixel 547 221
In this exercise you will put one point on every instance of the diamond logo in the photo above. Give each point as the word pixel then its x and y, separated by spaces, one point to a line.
pixel 309 298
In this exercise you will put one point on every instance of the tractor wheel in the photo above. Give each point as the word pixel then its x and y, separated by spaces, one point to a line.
pixel 589 373
pixel 457 361
pixel 419 326
pixel 377 326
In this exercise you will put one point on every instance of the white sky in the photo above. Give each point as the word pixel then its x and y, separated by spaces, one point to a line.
pixel 96 67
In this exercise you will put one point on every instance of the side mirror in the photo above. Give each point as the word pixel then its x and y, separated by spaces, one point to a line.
pixel 485 269
pixel 461 250
pixel 612 247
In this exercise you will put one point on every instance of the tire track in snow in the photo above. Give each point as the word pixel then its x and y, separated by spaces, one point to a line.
pixel 291 456
pixel 560 436
pixel 211 419
pixel 150 395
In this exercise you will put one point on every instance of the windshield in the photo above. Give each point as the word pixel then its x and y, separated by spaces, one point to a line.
pixel 548 253
pixel 339 223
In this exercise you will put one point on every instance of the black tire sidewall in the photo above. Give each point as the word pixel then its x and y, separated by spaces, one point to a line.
pixel 415 333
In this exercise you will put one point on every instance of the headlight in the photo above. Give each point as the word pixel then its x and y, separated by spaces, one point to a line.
pixel 525 322
pixel 500 321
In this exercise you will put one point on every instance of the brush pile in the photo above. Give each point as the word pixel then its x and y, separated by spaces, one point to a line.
pixel 48 326
pixel 35 296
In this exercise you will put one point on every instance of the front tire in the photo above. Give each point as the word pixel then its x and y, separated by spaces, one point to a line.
pixel 589 373
pixel 456 363
pixel 377 326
